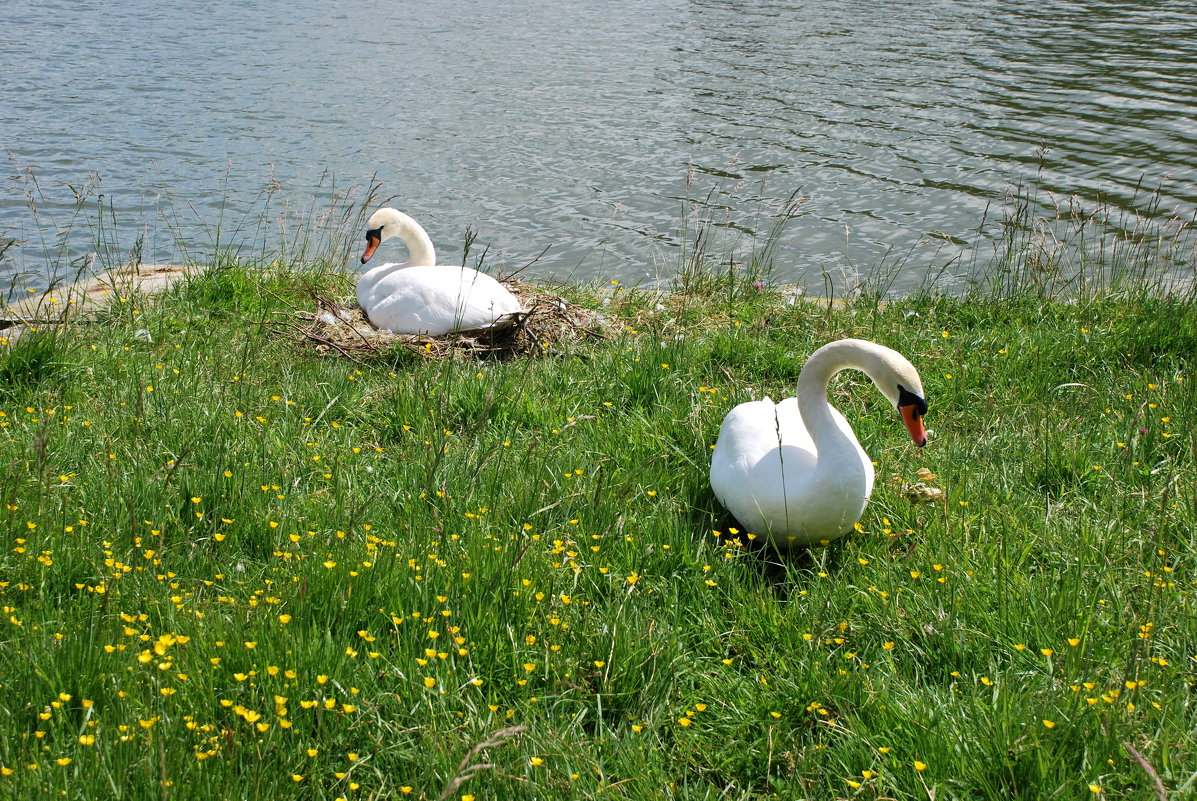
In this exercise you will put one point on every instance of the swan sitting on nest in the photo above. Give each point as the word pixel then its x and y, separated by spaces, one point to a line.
pixel 419 297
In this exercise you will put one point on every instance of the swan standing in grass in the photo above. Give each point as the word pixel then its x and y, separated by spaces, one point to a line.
pixel 793 472
pixel 417 297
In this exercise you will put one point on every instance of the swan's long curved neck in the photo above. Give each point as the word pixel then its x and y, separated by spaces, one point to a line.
pixel 816 374
pixel 420 251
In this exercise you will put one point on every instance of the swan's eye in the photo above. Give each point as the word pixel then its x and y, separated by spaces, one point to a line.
pixel 908 398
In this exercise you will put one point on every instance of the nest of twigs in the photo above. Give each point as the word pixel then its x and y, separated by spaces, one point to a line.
pixel 550 324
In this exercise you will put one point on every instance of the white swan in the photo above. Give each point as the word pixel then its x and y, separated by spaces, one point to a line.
pixel 417 297
pixel 793 472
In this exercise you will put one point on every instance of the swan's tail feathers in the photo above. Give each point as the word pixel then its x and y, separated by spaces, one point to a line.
pixel 508 320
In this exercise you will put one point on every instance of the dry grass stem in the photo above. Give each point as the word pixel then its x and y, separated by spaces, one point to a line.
pixel 466 770
pixel 1160 791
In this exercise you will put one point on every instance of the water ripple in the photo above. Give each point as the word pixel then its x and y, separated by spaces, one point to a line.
pixel 584 126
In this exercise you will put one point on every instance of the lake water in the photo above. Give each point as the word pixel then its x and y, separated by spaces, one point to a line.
pixel 586 126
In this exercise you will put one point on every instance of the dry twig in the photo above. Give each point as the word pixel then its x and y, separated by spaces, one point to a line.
pixel 1160 791
pixel 466 771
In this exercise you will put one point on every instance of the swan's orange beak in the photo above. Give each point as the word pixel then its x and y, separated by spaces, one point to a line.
pixel 373 240
pixel 914 424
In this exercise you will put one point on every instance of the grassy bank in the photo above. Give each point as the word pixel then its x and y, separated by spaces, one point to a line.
pixel 235 569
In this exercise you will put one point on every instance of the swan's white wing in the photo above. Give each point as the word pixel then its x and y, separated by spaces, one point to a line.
pixel 763 472
pixel 438 300
pixel 761 460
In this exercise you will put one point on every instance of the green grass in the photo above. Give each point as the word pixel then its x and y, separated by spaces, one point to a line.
pixel 248 572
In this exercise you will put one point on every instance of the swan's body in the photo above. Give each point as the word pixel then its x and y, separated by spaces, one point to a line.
pixel 793 472
pixel 418 297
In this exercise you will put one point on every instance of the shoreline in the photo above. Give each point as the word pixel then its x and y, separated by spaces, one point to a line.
pixel 58 306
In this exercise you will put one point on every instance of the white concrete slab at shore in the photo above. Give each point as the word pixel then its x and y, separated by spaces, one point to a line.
pixel 60 304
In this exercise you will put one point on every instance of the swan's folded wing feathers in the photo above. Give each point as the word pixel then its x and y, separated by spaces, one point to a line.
pixel 439 300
